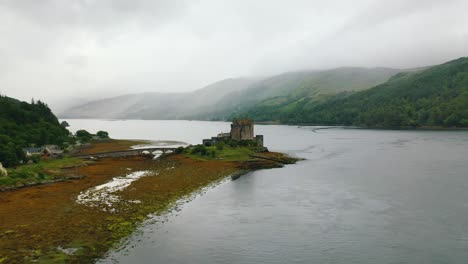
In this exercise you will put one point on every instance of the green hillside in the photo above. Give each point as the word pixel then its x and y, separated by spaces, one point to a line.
pixel 219 100
pixel 23 124
pixel 277 94
pixel 435 97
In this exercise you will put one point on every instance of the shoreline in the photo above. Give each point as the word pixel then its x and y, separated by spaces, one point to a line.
pixel 45 223
pixel 437 128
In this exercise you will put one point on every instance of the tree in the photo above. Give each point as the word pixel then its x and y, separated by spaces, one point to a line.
pixel 179 150
pixel 83 135
pixel 25 124
pixel 64 124
pixel 102 134
pixel 199 149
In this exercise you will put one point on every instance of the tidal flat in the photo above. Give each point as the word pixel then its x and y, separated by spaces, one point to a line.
pixel 69 222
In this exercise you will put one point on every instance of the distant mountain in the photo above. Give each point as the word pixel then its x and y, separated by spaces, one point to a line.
pixel 435 96
pixel 220 100
pixel 158 105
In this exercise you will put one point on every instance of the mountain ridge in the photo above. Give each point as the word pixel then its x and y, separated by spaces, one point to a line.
pixel 220 99
pixel 433 97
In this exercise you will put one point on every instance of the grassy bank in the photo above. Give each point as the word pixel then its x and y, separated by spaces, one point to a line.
pixel 53 170
pixel 46 224
pixel 42 172
pixel 227 153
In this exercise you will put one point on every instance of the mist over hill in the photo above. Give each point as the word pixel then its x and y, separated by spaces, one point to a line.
pixel 430 97
pixel 220 100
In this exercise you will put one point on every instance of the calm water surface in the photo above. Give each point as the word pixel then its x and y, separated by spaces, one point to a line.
pixel 362 196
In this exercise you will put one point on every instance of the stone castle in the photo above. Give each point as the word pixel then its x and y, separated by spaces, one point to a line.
pixel 241 129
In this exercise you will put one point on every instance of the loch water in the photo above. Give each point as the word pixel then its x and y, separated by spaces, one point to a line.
pixel 360 196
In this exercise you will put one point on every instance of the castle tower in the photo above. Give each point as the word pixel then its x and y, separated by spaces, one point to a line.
pixel 242 129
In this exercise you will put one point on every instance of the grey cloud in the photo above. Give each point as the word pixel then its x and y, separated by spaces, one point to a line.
pixel 379 12
pixel 93 13
pixel 53 49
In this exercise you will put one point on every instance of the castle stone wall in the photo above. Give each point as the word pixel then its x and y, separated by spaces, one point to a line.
pixel 242 129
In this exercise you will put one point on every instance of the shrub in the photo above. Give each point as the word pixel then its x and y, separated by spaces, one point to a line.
pixel 233 144
pixel 35 158
pixel 220 145
pixel 244 143
pixel 199 149
pixel 83 135
pixel 179 150
pixel 19 175
pixel 41 176
pixel 102 134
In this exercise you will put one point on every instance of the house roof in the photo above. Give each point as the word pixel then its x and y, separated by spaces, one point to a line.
pixel 54 149
pixel 32 150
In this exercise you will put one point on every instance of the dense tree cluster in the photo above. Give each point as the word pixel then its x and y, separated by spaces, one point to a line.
pixel 435 97
pixel 26 124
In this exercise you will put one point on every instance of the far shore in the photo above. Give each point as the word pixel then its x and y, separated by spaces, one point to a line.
pixel 305 124
pixel 46 223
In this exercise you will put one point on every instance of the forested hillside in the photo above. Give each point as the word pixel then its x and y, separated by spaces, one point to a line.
pixel 280 92
pixel 219 100
pixel 435 97
pixel 26 124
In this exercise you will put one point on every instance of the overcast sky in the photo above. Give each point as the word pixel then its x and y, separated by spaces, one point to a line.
pixel 53 49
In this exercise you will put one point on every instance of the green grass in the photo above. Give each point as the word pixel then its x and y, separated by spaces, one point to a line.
pixel 227 153
pixel 43 171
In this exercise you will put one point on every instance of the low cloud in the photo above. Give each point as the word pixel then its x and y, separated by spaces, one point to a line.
pixel 54 49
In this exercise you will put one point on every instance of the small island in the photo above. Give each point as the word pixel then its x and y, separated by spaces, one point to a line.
pixel 100 201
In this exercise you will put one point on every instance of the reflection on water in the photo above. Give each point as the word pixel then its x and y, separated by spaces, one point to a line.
pixel 362 196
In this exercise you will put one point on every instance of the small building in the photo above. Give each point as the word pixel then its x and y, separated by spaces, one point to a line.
pixel 51 151
pixel 32 151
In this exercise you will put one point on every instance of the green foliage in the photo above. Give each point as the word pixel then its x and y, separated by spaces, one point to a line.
pixel 233 143
pixel 435 97
pixel 179 150
pixel 35 158
pixel 228 153
pixel 275 97
pixel 102 134
pixel 64 124
pixel 83 135
pixel 22 125
pixel 201 149
pixel 38 172
pixel 248 143
pixel 220 145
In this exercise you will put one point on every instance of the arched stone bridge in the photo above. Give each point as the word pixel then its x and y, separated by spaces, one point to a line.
pixel 126 153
